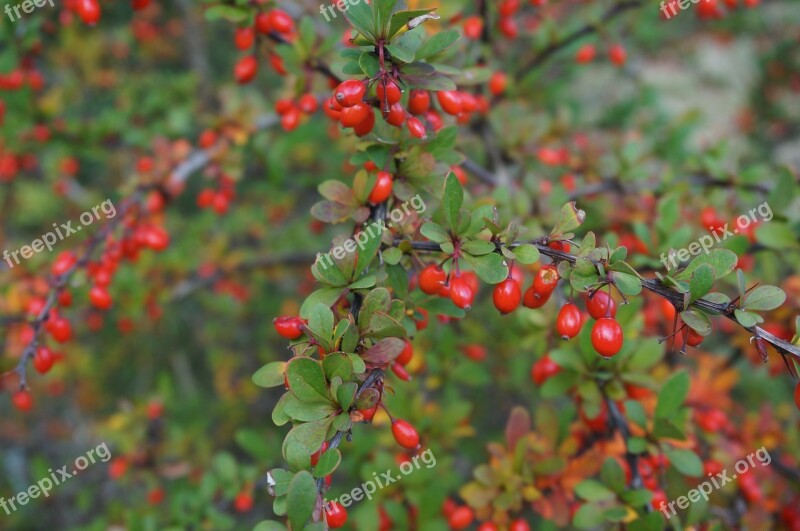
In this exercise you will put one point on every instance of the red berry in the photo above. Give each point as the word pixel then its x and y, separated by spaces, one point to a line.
pixel 244 37
pixel 365 126
pixel 157 238
pixel 22 400
pixel 600 305
pixel 544 369
pixel 263 23
pixel 388 93
pixel 382 189
pixel 283 105
pixel 475 352
pixel 416 128
pixel 43 360
pixel 431 279
pixel 352 116
pixel 607 337
pixel 406 355
pixel 508 7
pixel 60 329
pixel 419 101
pixel 585 53
pixel 508 26
pixel 401 372
pixel 797 396
pixel 63 263
pixel 461 518
pixel 349 93
pixel 405 434
pixel 569 322
pixel 290 119
pixel 507 295
pixel 245 69
pixel 461 293
pixel 243 502
pixel 488 526
pixel 140 4
pixel 155 496
pixel 693 338
pixel 89 11
pixel 100 298
pixel 316 455
pixel 617 54
pixel 308 103
pixel 497 83
pixel 280 21
pixel 288 327
pixel 396 115
pixel 154 410
pixel 335 515
pixel 473 27
pixel 450 101
pixel 519 525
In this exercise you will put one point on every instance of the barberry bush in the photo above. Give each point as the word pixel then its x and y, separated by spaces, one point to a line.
pixel 401 264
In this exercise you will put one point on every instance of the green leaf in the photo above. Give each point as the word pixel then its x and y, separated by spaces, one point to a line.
pixel 270 375
pixel 583 274
pixel 338 364
pixel 269 525
pixel 307 380
pixel 442 306
pixel 303 440
pixel 672 395
pixel 697 321
pixel 369 281
pixel 627 284
pixel 588 515
pixel 324 296
pixel 328 463
pixel 723 261
pixel 635 412
pixel 702 280
pixel 570 218
pixel 382 10
pixel 747 319
pixel 437 44
pixel 230 13
pixel 307 411
pixel 765 298
pixel 302 498
pixel 612 475
pixel 452 200
pixel 777 235
pixel 337 191
pixel 637 497
pixel 650 522
pixel 320 324
pixel 478 247
pixel 345 394
pixel 592 490
pixel 685 461
pixel 402 18
pixel 378 299
pixel 361 18
pixel 526 254
pixel 491 268
pixel 434 232
pixel 637 445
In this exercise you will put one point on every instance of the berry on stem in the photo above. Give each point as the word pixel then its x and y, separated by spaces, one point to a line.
pixel 507 295
pixel 431 279
pixel 461 293
pixel 607 337
pixel 288 327
pixel 569 322
pixel 405 434
pixel 335 515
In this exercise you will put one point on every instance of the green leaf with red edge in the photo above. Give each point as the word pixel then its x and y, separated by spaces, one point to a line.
pixel 570 218
pixel 338 192
pixel 384 351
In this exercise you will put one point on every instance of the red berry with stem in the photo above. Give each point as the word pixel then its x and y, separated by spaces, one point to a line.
pixel 419 101
pixel 288 327
pixel 693 338
pixel 401 372
pixel 568 323
pixel 507 295
pixel 461 518
pixel 607 337
pixel 366 126
pixel 245 69
pixel 335 515
pixel 388 93
pixel 600 304
pixel 545 281
pixel 544 369
pixel 382 189
pixel 352 116
pixel 461 293
pixel 43 360
pixel 396 115
pixel 280 21
pixel 431 279
pixel 349 93
pixel 22 400
pixel 100 298
pixel 405 434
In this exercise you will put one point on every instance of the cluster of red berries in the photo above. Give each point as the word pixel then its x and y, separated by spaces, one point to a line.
pixel 349 106
pixel 460 287
pixel 274 21
pixel 587 53
pixel 291 111
pixel 218 200
pixel 606 333
pixel 462 516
